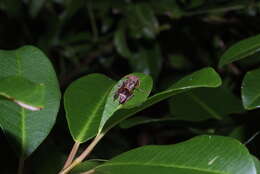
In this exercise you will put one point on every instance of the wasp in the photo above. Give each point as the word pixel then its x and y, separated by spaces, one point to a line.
pixel 126 89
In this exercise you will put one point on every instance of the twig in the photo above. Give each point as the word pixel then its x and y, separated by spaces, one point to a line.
pixel 86 152
pixel 89 172
pixel 72 154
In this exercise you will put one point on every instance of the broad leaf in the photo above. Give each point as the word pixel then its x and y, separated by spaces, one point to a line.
pixel 200 155
pixel 27 129
pixel 84 102
pixel 202 104
pixel 251 90
pixel 206 77
pixel 23 92
pixel 240 50
pixel 140 95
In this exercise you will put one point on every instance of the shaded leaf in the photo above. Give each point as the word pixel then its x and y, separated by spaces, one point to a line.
pixel 13 7
pixel 36 6
pixel 142 20
pixel 23 92
pixel 206 77
pixel 240 50
pixel 140 94
pixel 131 122
pixel 200 155
pixel 27 129
pixel 251 90
pixel 84 102
pixel 121 43
pixel 148 61
pixel 238 133
pixel 205 103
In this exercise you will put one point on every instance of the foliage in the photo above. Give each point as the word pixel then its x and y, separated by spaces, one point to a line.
pixel 180 78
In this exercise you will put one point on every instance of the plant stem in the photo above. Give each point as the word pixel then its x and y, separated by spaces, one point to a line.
pixel 21 165
pixel 84 154
pixel 72 154
pixel 89 172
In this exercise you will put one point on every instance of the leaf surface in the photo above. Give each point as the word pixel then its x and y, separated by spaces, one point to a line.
pixel 251 90
pixel 206 77
pixel 27 129
pixel 84 102
pixel 200 155
pixel 23 92
pixel 241 50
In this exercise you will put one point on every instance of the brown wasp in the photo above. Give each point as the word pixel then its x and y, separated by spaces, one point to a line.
pixel 126 89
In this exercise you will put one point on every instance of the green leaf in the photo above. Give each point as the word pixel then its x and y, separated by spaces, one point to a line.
pixel 121 43
pixel 206 77
pixel 84 102
pixel 139 96
pixel 200 155
pixel 205 103
pixel 27 129
pixel 251 90
pixel 85 166
pixel 257 164
pixel 23 92
pixel 241 50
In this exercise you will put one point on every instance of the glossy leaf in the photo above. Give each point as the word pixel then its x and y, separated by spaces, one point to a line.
pixel 206 77
pixel 202 104
pixel 251 90
pixel 200 155
pixel 140 95
pixel 241 50
pixel 27 129
pixel 23 92
pixel 84 102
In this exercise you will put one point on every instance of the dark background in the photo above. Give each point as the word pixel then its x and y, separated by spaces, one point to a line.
pixel 166 39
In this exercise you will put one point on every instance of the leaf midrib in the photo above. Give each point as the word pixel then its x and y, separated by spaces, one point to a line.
pixel 93 113
pixel 162 165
